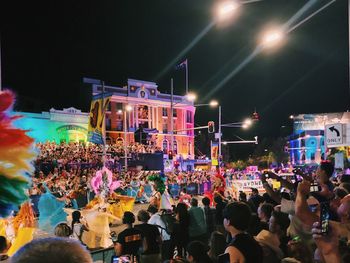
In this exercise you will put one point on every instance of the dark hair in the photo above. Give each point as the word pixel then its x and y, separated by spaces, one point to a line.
pixel 281 219
pixel 217 245
pixel 143 216
pixel 62 230
pixel 53 250
pixel 239 215
pixel 327 167
pixel 3 244
pixel 206 201
pixel 267 209
pixel 184 217
pixel 75 218
pixel 242 196
pixel 217 198
pixel 194 202
pixel 152 209
pixel 128 218
pixel 198 251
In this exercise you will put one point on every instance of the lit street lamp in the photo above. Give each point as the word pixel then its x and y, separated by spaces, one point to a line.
pixel 225 10
pixel 272 38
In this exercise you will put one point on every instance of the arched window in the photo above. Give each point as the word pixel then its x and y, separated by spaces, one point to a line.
pixel 175 147
pixel 165 146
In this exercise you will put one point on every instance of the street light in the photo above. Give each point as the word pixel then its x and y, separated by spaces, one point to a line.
pixel 213 103
pixel 191 97
pixel 272 38
pixel 127 108
pixel 225 10
pixel 248 122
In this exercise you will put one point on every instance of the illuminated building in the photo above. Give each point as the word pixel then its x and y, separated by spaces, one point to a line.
pixel 149 120
pixel 67 125
pixel 307 143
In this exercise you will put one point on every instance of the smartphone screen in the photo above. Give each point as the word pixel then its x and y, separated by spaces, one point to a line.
pixel 324 218
pixel 115 259
pixel 314 188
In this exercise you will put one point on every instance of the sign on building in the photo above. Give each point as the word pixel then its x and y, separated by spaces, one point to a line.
pixel 334 135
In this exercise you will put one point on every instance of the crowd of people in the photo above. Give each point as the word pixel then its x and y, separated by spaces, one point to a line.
pixel 307 220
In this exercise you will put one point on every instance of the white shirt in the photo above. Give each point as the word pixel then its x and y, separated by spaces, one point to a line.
pixel 156 220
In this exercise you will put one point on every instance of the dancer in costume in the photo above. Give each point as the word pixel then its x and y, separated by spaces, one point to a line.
pixel 98 217
pixel 51 210
pixel 23 226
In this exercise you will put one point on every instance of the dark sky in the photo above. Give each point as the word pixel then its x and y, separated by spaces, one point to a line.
pixel 48 46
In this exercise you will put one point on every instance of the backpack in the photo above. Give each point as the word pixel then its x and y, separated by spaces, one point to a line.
pixel 169 221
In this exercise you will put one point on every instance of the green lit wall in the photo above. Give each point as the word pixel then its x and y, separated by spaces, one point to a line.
pixel 43 129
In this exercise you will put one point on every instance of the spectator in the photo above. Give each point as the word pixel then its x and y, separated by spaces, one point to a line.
pixel 180 237
pixel 4 246
pixel 151 239
pixel 157 220
pixel 62 230
pixel 264 213
pixel 217 244
pixel 209 216
pixel 323 174
pixel 220 206
pixel 53 250
pixel 243 247
pixel 255 200
pixel 198 226
pixel 197 252
pixel 279 223
pixel 129 240
pixel 78 226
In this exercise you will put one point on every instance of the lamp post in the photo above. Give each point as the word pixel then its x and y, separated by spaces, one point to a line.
pixel 190 97
pixel 127 108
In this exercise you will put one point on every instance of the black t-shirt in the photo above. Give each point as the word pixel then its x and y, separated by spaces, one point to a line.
pixel 151 234
pixel 131 241
pixel 249 247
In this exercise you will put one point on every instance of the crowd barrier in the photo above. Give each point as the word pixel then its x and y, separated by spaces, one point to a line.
pixel 102 255
pixel 191 189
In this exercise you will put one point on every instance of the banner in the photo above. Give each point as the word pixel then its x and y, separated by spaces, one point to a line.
pixel 245 185
pixel 214 153
pixel 96 127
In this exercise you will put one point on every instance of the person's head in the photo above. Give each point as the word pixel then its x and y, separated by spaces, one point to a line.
pixel 128 218
pixel 152 209
pixel 242 196
pixel 206 201
pixel 53 250
pixel 143 216
pixel 279 223
pixel 237 216
pixel 197 252
pixel 62 230
pixel 218 198
pixel 265 211
pixel 324 172
pixel 76 215
pixel 182 213
pixel 194 202
pixel 217 244
pixel 3 244
pixel 255 191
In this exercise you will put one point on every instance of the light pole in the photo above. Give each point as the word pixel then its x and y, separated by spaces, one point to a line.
pixel 127 108
pixel 190 97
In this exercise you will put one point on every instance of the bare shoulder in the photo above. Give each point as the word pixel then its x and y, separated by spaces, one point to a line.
pixel 235 255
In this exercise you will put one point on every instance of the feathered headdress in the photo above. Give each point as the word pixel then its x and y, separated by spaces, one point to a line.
pixel 15 156
pixel 158 180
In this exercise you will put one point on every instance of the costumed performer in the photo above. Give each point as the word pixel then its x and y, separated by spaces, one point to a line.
pixel 51 210
pixel 98 217
pixel 16 155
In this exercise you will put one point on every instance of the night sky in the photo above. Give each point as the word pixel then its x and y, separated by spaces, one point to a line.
pixel 49 46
